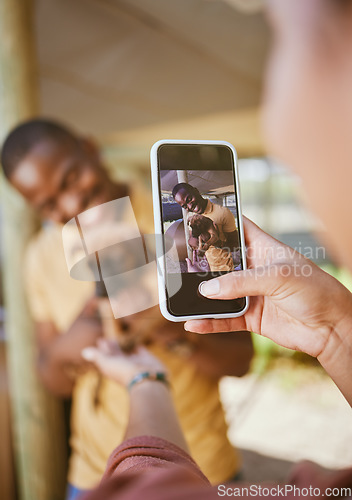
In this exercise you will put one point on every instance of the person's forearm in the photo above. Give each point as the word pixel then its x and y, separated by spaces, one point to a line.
pixel 54 378
pixel 232 241
pixel 223 354
pixel 152 413
pixel 67 347
pixel 337 355
pixel 57 361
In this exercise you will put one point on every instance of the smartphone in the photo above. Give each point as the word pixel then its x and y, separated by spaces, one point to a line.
pixel 198 226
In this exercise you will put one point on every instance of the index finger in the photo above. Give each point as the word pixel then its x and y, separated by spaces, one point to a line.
pixel 216 325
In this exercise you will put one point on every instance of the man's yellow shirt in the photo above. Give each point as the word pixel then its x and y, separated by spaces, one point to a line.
pixel 96 429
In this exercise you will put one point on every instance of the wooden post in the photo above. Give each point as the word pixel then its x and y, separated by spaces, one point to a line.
pixel 37 417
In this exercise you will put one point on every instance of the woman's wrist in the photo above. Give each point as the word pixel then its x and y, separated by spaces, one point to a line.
pixel 336 356
pixel 152 413
pixel 146 376
pixel 151 387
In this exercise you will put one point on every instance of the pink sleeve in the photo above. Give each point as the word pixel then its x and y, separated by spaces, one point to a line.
pixel 144 452
pixel 152 468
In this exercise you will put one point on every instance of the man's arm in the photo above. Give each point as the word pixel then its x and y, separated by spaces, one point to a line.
pixel 51 373
pixel 215 355
pixel 228 225
pixel 232 240
pixel 59 355
pixel 222 354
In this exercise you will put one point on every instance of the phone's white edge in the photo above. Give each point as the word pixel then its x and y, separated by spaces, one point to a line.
pixel 158 230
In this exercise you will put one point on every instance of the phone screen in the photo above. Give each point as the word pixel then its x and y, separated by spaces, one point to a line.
pixel 199 206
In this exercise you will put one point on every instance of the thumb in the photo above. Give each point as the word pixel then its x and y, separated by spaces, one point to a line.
pixel 263 280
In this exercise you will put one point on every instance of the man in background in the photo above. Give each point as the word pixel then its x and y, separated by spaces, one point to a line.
pixel 62 175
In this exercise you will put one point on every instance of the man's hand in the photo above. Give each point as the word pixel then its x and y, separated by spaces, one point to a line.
pixel 232 240
pixel 213 355
pixel 59 354
pixel 293 302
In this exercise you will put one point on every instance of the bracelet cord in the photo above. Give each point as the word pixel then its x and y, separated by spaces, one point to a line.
pixel 156 376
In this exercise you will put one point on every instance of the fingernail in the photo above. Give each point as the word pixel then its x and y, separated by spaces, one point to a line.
pixel 209 288
pixel 186 327
pixel 88 354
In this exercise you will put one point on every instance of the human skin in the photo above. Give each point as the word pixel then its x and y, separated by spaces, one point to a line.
pixel 307 107
pixel 307 84
pixel 61 180
pixel 152 412
pixel 310 313
pixel 307 121
pixel 192 201
pixel 292 302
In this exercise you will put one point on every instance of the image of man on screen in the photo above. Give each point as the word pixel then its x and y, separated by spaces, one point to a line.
pixel 189 198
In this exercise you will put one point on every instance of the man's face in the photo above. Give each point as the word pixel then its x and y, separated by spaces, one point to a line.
pixel 190 200
pixel 61 180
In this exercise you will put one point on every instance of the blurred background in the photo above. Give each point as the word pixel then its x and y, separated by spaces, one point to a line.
pixel 129 73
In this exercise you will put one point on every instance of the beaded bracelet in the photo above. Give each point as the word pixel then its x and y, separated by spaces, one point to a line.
pixel 158 376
